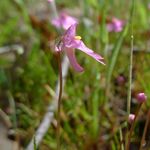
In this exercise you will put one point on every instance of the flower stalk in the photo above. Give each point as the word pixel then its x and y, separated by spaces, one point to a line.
pixel 127 143
pixel 131 59
pixel 132 127
pixel 59 99
pixel 145 130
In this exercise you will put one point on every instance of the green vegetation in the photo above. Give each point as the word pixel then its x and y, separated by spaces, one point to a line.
pixel 94 103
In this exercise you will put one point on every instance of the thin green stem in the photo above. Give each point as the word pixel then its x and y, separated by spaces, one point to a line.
pixel 59 101
pixel 131 60
pixel 127 140
pixel 130 77
pixel 121 139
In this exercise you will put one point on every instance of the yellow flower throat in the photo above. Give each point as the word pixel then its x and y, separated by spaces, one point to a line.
pixel 77 37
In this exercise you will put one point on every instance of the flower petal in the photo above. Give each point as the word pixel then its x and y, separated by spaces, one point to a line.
pixel 71 32
pixel 81 46
pixel 67 20
pixel 64 21
pixel 50 1
pixel 68 37
pixel 73 61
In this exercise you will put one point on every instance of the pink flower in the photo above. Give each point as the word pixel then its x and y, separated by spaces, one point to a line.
pixel 141 97
pixel 64 21
pixel 69 42
pixel 115 25
pixel 50 0
pixel 131 118
pixel 121 80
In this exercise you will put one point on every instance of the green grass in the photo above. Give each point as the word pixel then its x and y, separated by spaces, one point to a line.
pixel 90 117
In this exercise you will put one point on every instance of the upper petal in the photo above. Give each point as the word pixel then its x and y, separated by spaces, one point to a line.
pixel 71 32
pixel 67 21
pixel 69 35
pixel 64 21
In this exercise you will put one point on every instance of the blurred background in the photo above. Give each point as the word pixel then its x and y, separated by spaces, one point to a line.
pixel 93 110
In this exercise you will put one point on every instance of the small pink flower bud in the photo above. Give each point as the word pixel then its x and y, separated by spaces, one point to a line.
pixel 131 118
pixel 120 80
pixel 141 97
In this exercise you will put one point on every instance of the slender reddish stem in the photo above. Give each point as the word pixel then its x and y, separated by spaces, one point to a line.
pixel 59 101
pixel 145 130
pixel 132 127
